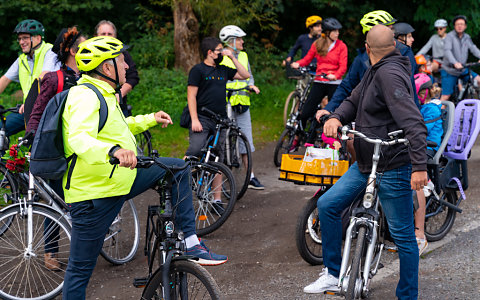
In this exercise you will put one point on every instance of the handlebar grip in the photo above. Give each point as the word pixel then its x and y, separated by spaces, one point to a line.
pixel 114 161
pixel 204 109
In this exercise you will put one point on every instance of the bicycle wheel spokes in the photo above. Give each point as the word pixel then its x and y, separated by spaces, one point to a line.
pixel 214 196
pixel 239 160
pixel 24 273
pixel 123 236
pixel 439 218
pixel 283 145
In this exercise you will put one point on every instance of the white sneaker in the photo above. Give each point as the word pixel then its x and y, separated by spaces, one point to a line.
pixel 326 282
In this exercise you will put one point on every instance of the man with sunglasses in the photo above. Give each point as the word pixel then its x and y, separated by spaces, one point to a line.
pixel 36 59
pixel 436 43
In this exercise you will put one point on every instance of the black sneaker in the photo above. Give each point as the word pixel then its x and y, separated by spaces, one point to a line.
pixel 217 208
pixel 255 184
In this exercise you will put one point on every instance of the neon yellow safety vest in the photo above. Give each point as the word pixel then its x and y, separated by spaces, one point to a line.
pixel 25 75
pixel 240 97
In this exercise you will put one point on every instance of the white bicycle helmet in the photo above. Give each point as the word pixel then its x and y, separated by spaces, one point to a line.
pixel 440 23
pixel 231 31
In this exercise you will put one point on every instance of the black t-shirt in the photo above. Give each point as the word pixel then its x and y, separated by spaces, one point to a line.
pixel 211 83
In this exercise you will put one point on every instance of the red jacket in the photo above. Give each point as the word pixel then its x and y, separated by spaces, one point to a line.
pixel 335 62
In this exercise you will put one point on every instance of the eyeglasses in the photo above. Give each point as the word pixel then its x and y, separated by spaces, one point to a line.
pixel 219 50
pixel 23 38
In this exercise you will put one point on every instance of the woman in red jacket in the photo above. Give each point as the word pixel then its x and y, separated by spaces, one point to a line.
pixel 332 56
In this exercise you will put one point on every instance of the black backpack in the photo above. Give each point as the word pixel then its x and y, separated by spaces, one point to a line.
pixel 47 158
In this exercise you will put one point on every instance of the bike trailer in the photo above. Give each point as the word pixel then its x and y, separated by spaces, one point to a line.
pixel 316 172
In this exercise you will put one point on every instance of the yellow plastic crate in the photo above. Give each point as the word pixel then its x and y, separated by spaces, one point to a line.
pixel 317 172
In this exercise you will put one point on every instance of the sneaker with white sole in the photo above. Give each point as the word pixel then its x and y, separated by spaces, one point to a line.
pixel 255 184
pixel 204 256
pixel 422 245
pixel 326 282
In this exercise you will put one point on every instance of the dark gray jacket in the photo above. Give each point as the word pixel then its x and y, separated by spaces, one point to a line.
pixel 381 103
pixel 456 50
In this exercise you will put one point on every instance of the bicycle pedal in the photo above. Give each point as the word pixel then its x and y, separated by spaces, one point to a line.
pixel 393 249
pixel 380 265
pixel 140 282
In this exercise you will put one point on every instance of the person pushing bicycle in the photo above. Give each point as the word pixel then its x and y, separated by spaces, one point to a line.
pixel 97 190
pixel 381 103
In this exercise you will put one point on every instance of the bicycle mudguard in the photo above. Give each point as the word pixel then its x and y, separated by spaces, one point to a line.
pixel 64 215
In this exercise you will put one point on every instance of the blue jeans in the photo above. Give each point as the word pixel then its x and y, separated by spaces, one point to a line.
pixel 14 124
pixel 92 218
pixel 449 81
pixel 396 198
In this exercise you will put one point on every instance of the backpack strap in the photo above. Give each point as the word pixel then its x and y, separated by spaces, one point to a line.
pixel 60 81
pixel 103 106
pixel 433 120
pixel 103 119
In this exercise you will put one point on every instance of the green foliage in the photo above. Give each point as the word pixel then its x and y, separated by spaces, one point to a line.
pixel 154 49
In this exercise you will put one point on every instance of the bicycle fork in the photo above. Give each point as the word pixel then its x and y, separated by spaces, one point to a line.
pixel 371 237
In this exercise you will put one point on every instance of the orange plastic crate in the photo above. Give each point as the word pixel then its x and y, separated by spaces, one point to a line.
pixel 317 172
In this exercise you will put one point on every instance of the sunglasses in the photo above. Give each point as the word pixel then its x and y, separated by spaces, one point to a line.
pixel 441 28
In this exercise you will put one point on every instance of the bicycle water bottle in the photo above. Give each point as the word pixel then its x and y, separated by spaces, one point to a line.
pixel 3 140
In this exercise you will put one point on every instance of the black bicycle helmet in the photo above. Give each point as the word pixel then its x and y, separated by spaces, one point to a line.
pixel 402 29
pixel 330 24
pixel 30 26
pixel 459 17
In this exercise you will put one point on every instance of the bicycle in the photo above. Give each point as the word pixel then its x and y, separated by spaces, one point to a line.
pixel 294 129
pixel 144 139
pixel 177 276
pixel 206 174
pixel 31 229
pixel 238 154
pixel 468 89
pixel 304 77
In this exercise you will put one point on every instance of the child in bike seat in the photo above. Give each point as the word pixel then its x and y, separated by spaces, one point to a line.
pixel 431 111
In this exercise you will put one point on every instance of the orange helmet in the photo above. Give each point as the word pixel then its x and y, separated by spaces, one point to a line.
pixel 312 20
pixel 420 59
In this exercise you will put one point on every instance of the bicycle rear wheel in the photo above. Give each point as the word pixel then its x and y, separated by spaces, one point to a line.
pixel 188 280
pixel 238 146
pixel 439 218
pixel 308 234
pixel 210 213
pixel 123 236
pixel 144 143
pixel 283 145
pixel 354 288
pixel 8 193
pixel 24 274
pixel 291 105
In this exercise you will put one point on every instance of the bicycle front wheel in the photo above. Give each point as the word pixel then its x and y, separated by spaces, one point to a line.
pixel 123 236
pixel 188 280
pixel 291 105
pixel 144 143
pixel 214 195
pixel 238 157
pixel 308 234
pixel 354 288
pixel 34 272
pixel 439 218
pixel 283 146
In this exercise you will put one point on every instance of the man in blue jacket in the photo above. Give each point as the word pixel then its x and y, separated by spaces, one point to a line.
pixel 361 63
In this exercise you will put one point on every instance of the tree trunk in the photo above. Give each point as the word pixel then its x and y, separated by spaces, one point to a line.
pixel 187 45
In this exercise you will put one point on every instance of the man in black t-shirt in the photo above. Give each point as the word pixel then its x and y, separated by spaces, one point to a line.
pixel 207 88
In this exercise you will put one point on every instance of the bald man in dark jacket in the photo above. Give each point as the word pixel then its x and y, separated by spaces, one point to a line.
pixel 381 103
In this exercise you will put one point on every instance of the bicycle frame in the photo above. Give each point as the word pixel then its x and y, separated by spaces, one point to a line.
pixel 368 216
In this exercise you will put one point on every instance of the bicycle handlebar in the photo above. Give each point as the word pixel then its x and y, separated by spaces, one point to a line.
pixel 224 121
pixel 4 110
pixel 471 64
pixel 144 162
pixel 345 130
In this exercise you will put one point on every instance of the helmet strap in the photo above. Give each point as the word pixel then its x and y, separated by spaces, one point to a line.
pixel 32 49
pixel 234 44
pixel 116 81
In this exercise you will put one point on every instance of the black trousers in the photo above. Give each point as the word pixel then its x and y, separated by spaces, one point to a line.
pixel 318 91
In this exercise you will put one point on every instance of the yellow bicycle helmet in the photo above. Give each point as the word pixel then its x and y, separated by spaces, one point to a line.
pixel 92 52
pixel 374 18
pixel 312 20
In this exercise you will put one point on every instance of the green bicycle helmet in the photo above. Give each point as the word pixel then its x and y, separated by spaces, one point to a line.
pixel 92 52
pixel 374 18
pixel 30 26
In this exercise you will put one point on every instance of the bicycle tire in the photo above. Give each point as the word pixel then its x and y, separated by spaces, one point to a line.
pixel 283 146
pixel 439 218
pixel 291 105
pixel 144 143
pixel 240 172
pixel 8 192
pixel 208 213
pixel 356 266
pixel 36 281
pixel 123 237
pixel 200 283
pixel 308 233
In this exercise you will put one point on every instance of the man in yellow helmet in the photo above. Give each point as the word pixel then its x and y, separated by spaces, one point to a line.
pixel 96 193
pixel 304 41
pixel 36 59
